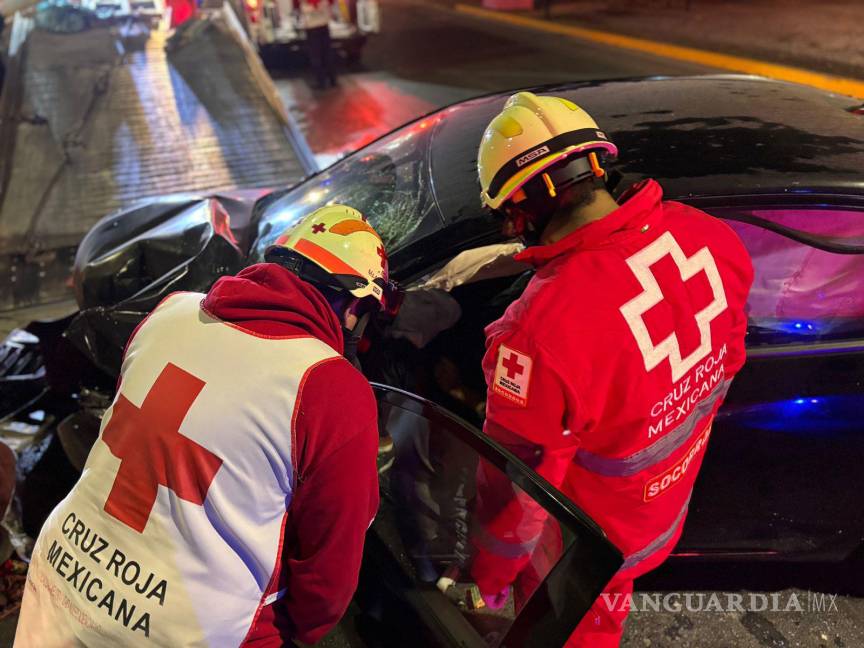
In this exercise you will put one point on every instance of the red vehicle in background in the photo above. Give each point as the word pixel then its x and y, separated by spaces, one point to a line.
pixel 276 26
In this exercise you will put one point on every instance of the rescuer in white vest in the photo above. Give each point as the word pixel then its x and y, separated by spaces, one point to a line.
pixel 226 500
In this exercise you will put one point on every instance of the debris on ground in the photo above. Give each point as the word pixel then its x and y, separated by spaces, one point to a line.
pixel 13 575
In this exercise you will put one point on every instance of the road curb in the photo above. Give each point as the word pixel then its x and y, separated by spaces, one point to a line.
pixel 831 83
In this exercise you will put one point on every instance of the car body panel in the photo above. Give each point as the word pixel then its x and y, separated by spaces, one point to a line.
pixel 718 143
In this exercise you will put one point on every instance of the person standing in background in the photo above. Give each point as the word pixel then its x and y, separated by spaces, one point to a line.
pixel 315 20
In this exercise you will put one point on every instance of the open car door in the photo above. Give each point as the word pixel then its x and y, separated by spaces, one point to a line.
pixel 431 523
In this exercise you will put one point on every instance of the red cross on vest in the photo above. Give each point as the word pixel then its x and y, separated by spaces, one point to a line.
pixel 680 300
pixel 152 451
pixel 511 364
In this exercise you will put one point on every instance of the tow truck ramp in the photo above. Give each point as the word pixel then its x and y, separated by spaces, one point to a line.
pixel 97 119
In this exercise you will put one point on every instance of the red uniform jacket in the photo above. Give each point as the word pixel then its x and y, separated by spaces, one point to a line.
pixel 606 374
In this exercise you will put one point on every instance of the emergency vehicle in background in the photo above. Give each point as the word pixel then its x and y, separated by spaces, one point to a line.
pixel 150 11
pixel 145 11
pixel 276 25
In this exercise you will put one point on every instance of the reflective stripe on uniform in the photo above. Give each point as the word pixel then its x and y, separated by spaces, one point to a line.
pixel 657 451
pixel 501 548
pixel 659 542
pixel 275 596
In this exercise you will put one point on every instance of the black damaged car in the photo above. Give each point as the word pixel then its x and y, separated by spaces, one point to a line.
pixel 781 482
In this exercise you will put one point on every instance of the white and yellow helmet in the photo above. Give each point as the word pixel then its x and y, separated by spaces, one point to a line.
pixel 338 240
pixel 531 134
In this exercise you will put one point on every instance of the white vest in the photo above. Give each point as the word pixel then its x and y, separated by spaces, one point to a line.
pixel 315 15
pixel 211 451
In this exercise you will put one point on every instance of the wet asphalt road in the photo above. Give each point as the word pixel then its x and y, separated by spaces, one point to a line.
pixel 428 56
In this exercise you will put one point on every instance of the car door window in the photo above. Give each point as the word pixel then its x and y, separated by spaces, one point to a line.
pixel 806 290
pixel 444 508
pixel 794 407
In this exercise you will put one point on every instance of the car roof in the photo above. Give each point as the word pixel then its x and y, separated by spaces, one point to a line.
pixel 722 135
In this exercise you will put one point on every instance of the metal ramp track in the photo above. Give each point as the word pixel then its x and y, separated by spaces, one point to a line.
pixel 94 121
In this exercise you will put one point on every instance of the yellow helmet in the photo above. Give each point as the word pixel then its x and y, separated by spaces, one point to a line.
pixel 338 240
pixel 531 134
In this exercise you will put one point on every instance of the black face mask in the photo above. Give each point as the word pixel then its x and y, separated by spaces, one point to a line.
pixel 351 339
pixel 534 227
pixel 528 220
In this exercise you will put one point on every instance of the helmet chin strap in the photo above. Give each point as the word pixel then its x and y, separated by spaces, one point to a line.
pixel 612 180
pixel 535 216
pixel 351 338
pixel 532 231
pixel 538 205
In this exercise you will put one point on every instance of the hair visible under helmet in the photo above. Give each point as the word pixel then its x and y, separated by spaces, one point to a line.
pixel 535 149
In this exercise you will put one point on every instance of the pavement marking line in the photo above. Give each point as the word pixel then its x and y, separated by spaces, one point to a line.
pixel 840 85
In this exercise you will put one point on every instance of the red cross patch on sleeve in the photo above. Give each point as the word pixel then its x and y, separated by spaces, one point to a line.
pixel 512 375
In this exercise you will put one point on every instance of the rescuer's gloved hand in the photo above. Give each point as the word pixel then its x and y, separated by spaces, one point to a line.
pixel 423 314
pixel 496 601
pixel 456 585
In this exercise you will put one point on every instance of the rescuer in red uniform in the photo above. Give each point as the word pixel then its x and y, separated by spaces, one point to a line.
pixel 605 375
